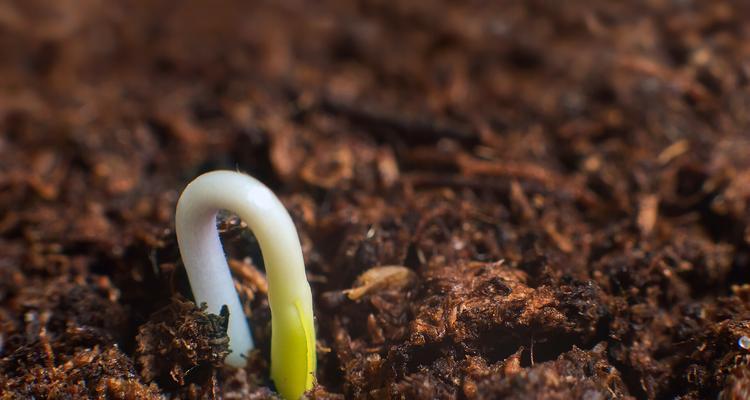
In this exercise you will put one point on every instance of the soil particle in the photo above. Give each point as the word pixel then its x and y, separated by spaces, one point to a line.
pixel 94 373
pixel 576 374
pixel 67 348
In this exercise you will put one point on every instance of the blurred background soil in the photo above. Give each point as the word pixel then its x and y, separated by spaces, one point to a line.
pixel 521 200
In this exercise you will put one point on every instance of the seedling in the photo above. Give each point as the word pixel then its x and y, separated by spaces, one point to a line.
pixel 292 328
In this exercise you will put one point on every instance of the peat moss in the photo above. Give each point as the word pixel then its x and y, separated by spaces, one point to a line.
pixel 567 184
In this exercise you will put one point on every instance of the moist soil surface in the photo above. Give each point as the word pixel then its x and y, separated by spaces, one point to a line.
pixel 522 200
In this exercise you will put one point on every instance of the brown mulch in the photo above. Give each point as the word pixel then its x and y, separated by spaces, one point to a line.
pixel 522 200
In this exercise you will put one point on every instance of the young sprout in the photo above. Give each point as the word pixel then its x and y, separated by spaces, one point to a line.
pixel 292 328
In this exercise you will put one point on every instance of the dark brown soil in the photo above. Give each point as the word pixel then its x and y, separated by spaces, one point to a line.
pixel 560 191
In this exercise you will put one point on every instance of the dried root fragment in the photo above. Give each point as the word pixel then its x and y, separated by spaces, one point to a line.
pixel 380 278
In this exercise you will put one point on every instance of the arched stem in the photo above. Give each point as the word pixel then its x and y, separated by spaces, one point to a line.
pixel 292 335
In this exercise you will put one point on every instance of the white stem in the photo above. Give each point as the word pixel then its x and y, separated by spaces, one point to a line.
pixel 206 264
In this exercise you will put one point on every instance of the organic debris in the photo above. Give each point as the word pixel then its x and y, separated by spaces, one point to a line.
pixel 180 342
pixel 537 199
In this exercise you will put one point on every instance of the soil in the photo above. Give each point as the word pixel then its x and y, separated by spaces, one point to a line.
pixel 521 200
